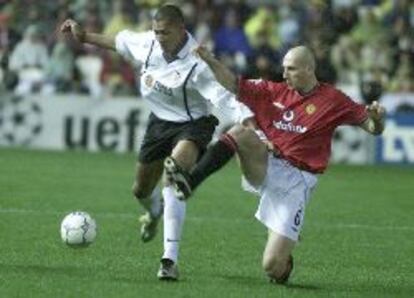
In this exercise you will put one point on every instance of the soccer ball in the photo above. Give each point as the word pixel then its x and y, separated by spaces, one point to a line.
pixel 78 229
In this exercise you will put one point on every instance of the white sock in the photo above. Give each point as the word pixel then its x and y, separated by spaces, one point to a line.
pixel 153 204
pixel 174 215
pixel 156 202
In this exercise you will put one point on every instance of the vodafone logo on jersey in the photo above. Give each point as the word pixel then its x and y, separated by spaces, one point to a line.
pixel 288 116
pixel 286 124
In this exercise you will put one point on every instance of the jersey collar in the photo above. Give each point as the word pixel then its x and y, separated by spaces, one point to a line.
pixel 310 93
pixel 183 52
pixel 187 47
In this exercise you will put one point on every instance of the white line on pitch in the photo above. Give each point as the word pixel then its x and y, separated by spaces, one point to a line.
pixel 211 219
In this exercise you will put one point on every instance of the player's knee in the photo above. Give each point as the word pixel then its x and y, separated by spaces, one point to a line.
pixel 237 131
pixel 243 135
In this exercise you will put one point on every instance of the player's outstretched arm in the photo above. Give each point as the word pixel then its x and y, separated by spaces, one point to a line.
pixel 223 75
pixel 375 122
pixel 100 40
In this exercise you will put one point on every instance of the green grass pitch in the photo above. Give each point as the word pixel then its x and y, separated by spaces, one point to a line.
pixel 358 238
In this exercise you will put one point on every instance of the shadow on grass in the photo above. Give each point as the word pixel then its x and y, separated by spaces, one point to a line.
pixel 66 271
pixel 244 280
pixel 403 290
pixel 307 287
pixel 240 279
pixel 41 269
pixel 352 290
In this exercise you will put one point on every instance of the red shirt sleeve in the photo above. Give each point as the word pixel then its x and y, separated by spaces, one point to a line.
pixel 251 92
pixel 351 112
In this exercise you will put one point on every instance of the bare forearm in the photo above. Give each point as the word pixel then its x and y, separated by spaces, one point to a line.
pixel 223 74
pixel 72 27
pixel 100 40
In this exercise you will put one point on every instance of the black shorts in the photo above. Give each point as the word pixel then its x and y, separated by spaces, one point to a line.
pixel 161 136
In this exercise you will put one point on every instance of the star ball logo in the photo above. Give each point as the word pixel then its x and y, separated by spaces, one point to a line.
pixel 20 121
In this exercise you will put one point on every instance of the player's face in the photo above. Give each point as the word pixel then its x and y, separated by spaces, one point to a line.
pixel 168 35
pixel 294 72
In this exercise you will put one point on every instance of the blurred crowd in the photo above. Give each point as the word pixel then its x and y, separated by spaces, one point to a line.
pixel 363 43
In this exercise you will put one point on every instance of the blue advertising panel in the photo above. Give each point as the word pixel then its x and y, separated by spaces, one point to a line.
pixel 396 145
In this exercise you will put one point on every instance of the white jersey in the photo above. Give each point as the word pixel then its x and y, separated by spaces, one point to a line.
pixel 179 91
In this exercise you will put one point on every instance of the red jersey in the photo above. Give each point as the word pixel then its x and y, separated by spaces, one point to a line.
pixel 300 126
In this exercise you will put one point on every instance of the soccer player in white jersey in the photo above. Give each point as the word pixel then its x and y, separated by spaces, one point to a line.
pixel 179 88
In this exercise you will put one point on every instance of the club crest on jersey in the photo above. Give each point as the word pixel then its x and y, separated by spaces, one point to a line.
pixel 310 109
pixel 157 86
pixel 149 81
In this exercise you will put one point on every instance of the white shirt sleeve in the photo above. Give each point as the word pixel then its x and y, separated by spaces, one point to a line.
pixel 134 46
pixel 206 83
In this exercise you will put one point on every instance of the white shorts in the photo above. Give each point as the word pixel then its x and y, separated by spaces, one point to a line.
pixel 283 197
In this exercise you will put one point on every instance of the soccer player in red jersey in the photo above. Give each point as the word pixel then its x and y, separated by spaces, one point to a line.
pixel 298 118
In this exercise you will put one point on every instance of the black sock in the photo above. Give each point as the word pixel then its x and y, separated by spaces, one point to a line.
pixel 213 159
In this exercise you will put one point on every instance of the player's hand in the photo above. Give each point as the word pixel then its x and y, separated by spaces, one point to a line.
pixel 269 145
pixel 203 53
pixel 72 27
pixel 376 111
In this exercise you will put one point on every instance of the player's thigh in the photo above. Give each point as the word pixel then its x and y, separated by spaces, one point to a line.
pixel 277 250
pixel 252 154
pixel 147 176
pixel 193 140
pixel 158 140
pixel 186 153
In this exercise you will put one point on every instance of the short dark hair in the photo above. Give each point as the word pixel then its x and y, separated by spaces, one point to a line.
pixel 169 13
